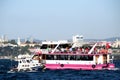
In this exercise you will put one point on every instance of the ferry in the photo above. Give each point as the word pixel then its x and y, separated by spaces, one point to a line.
pixel 76 57
pixel 78 60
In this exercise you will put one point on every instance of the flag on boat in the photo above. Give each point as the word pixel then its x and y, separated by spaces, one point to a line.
pixel 108 45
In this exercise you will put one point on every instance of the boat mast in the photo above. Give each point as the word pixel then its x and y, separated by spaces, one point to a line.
pixel 92 49
pixel 55 48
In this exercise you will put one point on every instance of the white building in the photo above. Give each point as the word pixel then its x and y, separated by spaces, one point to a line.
pixel 116 43
pixel 18 41
pixel 78 41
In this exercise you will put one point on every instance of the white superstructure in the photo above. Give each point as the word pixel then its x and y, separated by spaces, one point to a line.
pixel 28 63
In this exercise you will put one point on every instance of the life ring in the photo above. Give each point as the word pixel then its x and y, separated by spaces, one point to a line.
pixel 93 66
pixel 62 65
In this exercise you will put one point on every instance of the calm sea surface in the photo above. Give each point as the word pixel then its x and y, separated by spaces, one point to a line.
pixel 59 74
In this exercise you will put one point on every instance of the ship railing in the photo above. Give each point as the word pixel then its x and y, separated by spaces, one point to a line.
pixel 75 52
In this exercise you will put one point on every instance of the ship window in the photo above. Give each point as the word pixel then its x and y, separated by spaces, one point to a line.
pixel 55 57
pixel 23 61
pixel 20 62
pixel 86 58
pixel 44 56
pixel 58 57
pixel 70 57
pixel 44 46
pixel 50 57
pixel 28 61
pixel 77 37
pixel 78 57
pixel 66 57
pixel 62 57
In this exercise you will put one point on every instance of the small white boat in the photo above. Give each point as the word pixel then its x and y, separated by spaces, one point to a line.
pixel 28 63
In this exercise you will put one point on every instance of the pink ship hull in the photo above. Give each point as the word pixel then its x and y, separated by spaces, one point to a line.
pixel 79 66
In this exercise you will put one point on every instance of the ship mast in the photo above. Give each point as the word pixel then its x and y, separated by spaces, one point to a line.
pixel 91 50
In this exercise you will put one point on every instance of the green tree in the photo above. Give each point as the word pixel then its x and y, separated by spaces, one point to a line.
pixel 13 42
pixel 28 42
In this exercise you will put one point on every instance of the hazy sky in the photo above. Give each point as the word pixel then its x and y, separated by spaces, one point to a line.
pixel 59 19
